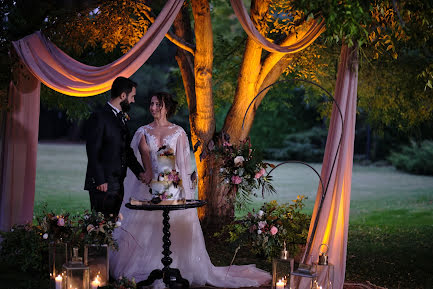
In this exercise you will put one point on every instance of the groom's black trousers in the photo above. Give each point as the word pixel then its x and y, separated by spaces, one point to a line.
pixel 108 202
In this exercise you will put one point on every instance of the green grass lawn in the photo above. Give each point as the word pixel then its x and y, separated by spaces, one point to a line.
pixel 391 215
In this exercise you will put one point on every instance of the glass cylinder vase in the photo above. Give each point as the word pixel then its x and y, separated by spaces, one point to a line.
pixel 96 258
pixel 57 257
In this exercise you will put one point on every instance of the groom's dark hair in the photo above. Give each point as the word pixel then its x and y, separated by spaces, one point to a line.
pixel 122 85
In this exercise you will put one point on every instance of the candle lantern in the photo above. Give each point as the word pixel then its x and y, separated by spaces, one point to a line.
pixel 324 270
pixel 96 257
pixel 319 275
pixel 304 277
pixel 57 256
pixel 76 273
pixel 281 269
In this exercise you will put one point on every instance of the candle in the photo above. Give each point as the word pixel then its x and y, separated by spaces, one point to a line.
pixel 280 284
pixel 95 283
pixel 59 282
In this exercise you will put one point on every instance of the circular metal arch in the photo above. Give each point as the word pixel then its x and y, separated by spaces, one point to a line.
pixel 324 190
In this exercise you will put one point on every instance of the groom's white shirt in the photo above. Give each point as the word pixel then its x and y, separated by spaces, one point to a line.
pixel 115 109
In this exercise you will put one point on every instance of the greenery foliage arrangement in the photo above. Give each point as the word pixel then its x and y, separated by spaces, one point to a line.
pixel 24 248
pixel 243 170
pixel 266 231
pixel 414 158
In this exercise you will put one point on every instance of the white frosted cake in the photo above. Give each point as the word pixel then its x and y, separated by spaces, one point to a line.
pixel 166 186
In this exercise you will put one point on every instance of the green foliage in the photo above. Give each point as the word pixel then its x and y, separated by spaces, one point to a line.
pixel 266 231
pixel 24 248
pixel 416 158
pixel 23 258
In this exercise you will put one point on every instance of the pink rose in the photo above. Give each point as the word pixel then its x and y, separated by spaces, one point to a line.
pixel 274 230
pixel 236 180
pixel 260 173
pixel 61 222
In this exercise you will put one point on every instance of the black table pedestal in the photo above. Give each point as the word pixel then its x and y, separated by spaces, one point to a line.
pixel 170 276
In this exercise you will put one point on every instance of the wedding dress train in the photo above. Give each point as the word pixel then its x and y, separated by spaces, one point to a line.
pixel 140 236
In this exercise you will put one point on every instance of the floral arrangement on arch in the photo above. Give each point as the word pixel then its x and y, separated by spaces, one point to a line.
pixel 267 229
pixel 243 170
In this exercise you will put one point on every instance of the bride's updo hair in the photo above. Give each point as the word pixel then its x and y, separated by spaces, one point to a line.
pixel 168 100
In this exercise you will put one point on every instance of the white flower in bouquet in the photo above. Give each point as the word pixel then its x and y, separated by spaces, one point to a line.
pixel 90 228
pixel 45 236
pixel 118 224
pixel 261 213
pixel 222 170
pixel 262 224
pixel 239 160
pixel 259 232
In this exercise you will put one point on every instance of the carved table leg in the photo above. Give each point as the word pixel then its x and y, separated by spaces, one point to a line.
pixel 170 276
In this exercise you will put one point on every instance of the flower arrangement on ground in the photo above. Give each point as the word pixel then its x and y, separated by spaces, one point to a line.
pixel 93 228
pixel 243 169
pixel 266 230
pixel 54 227
pixel 122 283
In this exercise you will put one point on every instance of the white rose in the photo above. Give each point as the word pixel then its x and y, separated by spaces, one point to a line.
pixel 261 213
pixel 238 160
pixel 45 236
pixel 262 224
pixel 259 232
pixel 221 170
pixel 118 224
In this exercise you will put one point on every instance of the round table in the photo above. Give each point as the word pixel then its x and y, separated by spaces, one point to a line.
pixel 170 276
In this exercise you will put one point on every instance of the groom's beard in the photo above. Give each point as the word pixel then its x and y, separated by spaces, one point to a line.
pixel 125 105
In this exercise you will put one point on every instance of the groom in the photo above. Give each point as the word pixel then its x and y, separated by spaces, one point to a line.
pixel 108 149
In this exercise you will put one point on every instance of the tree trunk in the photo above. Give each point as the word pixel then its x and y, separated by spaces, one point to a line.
pixel 203 122
pixel 256 72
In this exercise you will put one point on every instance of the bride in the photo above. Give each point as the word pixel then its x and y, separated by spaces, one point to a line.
pixel 140 237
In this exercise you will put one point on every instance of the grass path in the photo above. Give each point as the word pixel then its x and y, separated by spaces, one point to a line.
pixel 391 215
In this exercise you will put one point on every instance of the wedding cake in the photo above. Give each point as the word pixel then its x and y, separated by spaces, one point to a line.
pixel 166 187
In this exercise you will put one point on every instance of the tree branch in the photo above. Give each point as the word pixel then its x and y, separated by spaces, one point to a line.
pixel 173 37
pixel 273 58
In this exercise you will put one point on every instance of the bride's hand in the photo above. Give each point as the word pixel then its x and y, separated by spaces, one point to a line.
pixel 145 177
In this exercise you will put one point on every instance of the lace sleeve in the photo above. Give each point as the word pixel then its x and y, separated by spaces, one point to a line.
pixel 183 163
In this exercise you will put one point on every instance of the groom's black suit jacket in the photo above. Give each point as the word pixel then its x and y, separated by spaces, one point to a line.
pixel 108 149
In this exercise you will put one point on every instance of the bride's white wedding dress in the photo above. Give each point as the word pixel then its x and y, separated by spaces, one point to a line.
pixel 140 236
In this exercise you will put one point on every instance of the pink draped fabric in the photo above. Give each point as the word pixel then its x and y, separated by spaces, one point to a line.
pixel 42 61
pixel 66 75
pixel 20 147
pixel 245 20
pixel 334 217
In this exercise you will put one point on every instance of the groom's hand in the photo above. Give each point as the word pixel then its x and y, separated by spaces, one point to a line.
pixel 103 187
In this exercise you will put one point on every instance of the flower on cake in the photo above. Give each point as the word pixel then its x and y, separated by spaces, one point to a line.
pixel 165 151
pixel 170 176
